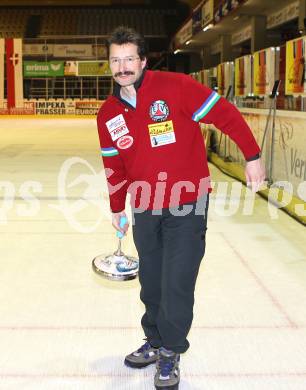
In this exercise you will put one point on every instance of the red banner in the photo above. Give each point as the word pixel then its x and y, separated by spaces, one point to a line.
pixel 13 50
pixel 27 109
pixel 1 69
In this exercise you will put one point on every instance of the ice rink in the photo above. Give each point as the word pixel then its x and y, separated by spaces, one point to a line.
pixel 62 327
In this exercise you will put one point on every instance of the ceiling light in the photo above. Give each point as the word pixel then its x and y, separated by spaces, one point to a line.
pixel 208 27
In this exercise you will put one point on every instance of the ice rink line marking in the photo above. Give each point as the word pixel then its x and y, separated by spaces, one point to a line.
pixel 120 328
pixel 221 375
pixel 273 299
pixel 51 198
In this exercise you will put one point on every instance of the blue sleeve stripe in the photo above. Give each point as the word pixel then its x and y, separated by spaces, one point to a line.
pixel 206 106
pixel 109 152
pixel 110 148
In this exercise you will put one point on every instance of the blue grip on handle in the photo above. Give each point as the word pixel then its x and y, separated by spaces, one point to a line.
pixel 123 221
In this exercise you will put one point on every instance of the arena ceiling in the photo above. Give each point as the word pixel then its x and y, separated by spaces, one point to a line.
pixel 40 3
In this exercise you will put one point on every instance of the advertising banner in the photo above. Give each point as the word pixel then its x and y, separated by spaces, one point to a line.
pixel 285 14
pixel 197 19
pixel 201 76
pixel 289 146
pixel 99 51
pixel 221 79
pixel 225 73
pixel 224 7
pixel 43 69
pixel 207 12
pixel 242 35
pixel 295 67
pixel 205 77
pixel 264 71
pixel 2 49
pixel 93 68
pixel 14 79
pixel 27 109
pixel 212 77
pixel 70 68
pixel 87 108
pixel 243 76
pixel 58 107
pixel 73 51
pixel 37 49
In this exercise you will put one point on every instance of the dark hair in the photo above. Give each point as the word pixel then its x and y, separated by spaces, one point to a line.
pixel 122 35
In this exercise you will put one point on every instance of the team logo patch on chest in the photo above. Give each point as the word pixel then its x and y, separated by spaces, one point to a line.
pixel 117 127
pixel 159 111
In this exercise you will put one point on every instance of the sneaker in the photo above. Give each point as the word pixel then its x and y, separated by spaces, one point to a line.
pixel 167 370
pixel 144 356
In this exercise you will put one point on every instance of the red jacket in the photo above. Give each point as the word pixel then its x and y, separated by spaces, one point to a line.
pixel 156 150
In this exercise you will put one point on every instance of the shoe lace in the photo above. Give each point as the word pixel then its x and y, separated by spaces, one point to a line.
pixel 166 365
pixel 145 347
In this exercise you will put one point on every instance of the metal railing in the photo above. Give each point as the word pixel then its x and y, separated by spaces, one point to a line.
pixel 68 88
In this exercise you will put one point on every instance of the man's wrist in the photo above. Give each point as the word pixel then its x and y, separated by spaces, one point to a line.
pixel 117 211
pixel 253 158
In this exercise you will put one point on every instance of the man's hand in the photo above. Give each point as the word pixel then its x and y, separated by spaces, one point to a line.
pixel 255 174
pixel 116 222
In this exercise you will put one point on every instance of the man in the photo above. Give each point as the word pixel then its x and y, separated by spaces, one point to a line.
pixel 152 147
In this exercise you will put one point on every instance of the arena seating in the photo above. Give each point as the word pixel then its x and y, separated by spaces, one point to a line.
pixel 13 22
pixel 82 21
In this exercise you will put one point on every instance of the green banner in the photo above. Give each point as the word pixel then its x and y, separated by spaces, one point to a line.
pixel 93 68
pixel 43 69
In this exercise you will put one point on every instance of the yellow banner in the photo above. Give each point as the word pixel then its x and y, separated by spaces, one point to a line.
pixel 243 76
pixel 225 77
pixel 93 68
pixel 260 72
pixel 240 84
pixel 264 71
pixel 221 79
pixel 295 67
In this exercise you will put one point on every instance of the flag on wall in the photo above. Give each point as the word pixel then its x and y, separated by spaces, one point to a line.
pixel 295 67
pixel 225 75
pixel 264 71
pixel 221 79
pixel 1 70
pixel 13 51
pixel 243 76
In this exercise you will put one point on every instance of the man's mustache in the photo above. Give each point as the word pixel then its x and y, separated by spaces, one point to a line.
pixel 126 73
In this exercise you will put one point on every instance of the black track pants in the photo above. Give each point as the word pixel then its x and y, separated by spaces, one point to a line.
pixel 170 249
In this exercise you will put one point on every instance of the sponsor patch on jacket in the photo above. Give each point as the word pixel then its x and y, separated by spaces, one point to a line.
pixel 117 127
pixel 161 134
pixel 159 111
pixel 125 142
